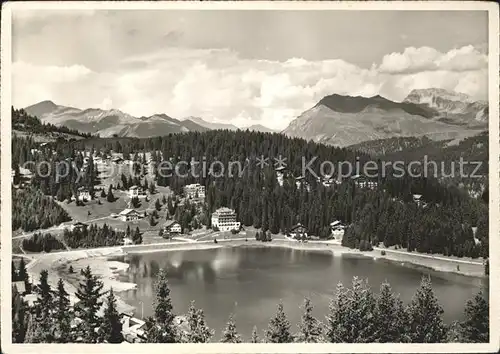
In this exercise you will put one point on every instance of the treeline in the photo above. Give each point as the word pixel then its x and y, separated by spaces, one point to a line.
pixel 32 210
pixel 93 236
pixel 356 315
pixel 58 174
pixel 436 228
pixel 261 202
pixel 21 120
pixel 42 243
pixel 52 319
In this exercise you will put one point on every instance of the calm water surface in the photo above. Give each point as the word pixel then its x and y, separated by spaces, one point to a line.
pixel 250 281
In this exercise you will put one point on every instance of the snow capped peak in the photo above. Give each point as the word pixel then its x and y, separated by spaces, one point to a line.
pixel 432 94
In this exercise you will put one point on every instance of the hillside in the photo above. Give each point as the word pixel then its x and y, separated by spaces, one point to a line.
pixel 345 120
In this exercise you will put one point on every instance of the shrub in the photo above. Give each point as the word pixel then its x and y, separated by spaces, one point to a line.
pixel 383 253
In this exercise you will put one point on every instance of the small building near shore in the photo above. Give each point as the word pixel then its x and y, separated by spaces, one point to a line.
pixel 129 215
pixel 298 232
pixel 172 227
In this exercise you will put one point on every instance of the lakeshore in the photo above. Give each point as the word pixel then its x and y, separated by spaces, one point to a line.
pixel 108 270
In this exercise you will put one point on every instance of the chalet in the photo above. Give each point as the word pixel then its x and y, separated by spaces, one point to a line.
pixel 280 174
pixel 20 286
pixel 117 159
pixel 172 227
pixel 298 232
pixel 78 226
pixel 301 181
pixel 363 182
pixel 194 191
pixel 417 198
pixel 127 241
pixel 337 230
pixel 133 192
pixel 84 194
pixel 337 225
pixel 129 215
pixel 225 219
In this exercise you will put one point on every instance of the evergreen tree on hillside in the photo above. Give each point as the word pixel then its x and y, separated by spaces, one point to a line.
pixel 44 309
pixel 198 332
pixel 89 293
pixel 161 328
pixel 110 197
pixel 63 315
pixel 229 334
pixel 13 276
pixel 23 275
pixel 278 330
pixel 338 329
pixel 425 316
pixel 111 327
pixel 390 319
pixel 310 329
pixel 362 319
pixel 19 317
pixel 475 328
pixel 34 332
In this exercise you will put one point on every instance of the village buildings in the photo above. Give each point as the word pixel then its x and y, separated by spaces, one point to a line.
pixel 225 219
pixel 194 191
pixel 172 227
pixel 129 215
pixel 298 232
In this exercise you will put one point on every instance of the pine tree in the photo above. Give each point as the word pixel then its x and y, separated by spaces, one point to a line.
pixel 424 312
pixel 110 197
pixel 34 332
pixel 157 205
pixel 89 293
pixel 390 319
pixel 310 330
pixel 337 320
pixel 255 336
pixel 198 332
pixel 137 237
pixel 63 315
pixel 278 330
pixel 161 328
pixel 14 276
pixel 23 275
pixel 111 327
pixel 19 319
pixel 229 334
pixel 44 309
pixel 475 328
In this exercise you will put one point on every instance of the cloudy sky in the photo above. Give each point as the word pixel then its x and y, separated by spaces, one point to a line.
pixel 244 67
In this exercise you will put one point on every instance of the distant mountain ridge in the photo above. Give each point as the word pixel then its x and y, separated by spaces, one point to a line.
pixel 113 122
pixel 346 120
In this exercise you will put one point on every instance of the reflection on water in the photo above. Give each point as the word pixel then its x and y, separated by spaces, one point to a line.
pixel 250 281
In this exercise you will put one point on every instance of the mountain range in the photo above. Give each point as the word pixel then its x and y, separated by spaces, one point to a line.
pixel 336 119
pixel 346 120
pixel 113 122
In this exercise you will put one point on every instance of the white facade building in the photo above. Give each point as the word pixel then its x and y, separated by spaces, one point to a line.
pixel 225 219
pixel 195 190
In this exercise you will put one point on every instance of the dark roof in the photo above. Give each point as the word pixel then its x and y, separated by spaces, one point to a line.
pixel 297 227
pixel 169 223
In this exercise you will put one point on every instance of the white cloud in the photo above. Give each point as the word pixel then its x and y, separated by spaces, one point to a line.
pixel 414 60
pixel 218 85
